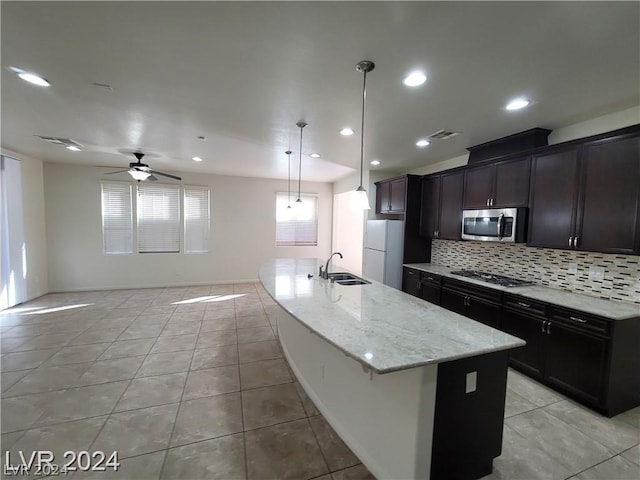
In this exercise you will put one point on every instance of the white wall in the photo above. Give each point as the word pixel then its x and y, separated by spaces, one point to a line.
pixel 348 232
pixel 34 224
pixel 242 232
pixel 594 126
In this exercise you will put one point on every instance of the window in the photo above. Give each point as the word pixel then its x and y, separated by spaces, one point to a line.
pixel 158 218
pixel 117 223
pixel 196 220
pixel 13 252
pixel 297 225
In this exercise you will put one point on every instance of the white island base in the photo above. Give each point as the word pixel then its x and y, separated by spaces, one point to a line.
pixel 390 421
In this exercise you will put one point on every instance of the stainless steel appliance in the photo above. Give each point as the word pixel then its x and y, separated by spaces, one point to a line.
pixel 383 248
pixel 495 225
pixel 492 278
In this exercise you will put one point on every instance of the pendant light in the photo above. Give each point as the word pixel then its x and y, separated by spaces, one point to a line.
pixel 361 193
pixel 288 154
pixel 300 125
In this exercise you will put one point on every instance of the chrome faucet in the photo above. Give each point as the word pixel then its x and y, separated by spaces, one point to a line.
pixel 325 274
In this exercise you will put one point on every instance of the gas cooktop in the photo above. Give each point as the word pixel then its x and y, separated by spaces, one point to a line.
pixel 492 278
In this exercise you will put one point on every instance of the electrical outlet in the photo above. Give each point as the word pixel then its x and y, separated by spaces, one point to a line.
pixel 596 273
pixel 471 383
pixel 573 268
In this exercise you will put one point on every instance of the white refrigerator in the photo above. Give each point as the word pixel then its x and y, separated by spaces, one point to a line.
pixel 383 247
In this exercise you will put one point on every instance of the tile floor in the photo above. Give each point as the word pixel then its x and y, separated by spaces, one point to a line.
pixel 190 383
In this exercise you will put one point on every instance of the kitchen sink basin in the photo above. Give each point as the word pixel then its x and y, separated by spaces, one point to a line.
pixel 344 278
pixel 352 282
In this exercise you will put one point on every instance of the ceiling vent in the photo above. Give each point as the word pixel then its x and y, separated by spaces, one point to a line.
pixel 443 134
pixel 66 142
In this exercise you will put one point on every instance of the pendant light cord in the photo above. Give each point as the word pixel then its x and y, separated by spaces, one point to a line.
pixel 300 125
pixel 288 153
pixel 364 98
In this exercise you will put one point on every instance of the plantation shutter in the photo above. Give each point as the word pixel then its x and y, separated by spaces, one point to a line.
pixel 297 225
pixel 196 220
pixel 158 218
pixel 117 221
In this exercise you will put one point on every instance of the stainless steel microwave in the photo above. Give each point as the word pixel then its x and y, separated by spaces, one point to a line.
pixel 495 225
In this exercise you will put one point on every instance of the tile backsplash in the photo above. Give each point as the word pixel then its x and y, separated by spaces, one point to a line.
pixel 546 266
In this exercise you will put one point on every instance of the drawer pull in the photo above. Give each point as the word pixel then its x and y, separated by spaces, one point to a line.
pixel 429 278
pixel 522 304
pixel 543 325
pixel 576 319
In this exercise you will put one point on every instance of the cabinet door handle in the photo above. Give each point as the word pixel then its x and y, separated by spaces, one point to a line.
pixel 548 328
pixel 576 319
pixel 575 242
pixel 543 325
pixel 570 242
pixel 491 202
pixel 525 305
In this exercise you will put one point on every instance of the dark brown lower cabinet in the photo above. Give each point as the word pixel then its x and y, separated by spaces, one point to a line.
pixel 528 327
pixel 575 362
pixel 480 304
pixel 585 357
pixel 411 281
pixel 431 289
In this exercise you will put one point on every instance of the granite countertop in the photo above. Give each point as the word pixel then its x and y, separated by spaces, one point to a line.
pixel 584 303
pixel 383 328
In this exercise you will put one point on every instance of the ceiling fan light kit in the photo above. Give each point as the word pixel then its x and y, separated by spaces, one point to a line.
pixel 141 171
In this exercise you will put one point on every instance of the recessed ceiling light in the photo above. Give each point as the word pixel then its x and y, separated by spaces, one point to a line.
pixel 347 131
pixel 375 162
pixel 517 104
pixel 422 143
pixel 315 155
pixel 415 79
pixel 31 77
pixel 196 159
pixel 73 148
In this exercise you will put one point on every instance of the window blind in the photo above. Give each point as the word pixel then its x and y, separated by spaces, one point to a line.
pixel 158 218
pixel 117 222
pixel 196 219
pixel 297 225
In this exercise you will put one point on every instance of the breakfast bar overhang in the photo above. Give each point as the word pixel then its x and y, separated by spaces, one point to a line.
pixel 416 391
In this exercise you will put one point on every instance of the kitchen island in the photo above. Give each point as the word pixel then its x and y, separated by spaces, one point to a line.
pixel 414 390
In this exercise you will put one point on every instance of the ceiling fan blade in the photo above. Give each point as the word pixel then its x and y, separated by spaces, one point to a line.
pixel 152 178
pixel 119 171
pixel 165 174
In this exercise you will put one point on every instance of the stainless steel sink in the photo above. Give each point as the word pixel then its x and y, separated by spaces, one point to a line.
pixel 344 278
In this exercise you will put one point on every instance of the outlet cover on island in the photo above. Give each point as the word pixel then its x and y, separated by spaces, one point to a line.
pixel 596 273
pixel 573 268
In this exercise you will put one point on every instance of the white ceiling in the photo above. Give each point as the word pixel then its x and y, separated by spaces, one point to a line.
pixel 242 74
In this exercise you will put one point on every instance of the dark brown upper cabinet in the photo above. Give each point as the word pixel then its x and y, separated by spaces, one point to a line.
pixel 609 217
pixel 441 213
pixel 503 184
pixel 391 195
pixel 587 196
pixel 554 183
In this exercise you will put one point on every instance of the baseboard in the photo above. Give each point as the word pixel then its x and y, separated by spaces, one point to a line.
pixel 161 285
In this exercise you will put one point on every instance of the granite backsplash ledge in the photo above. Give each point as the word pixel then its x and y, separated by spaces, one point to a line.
pixel 546 266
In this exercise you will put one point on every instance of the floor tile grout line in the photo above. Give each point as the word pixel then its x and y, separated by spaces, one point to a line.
pixel 120 399
pixel 588 435
pixel 175 420
pixel 244 437
pixel 315 436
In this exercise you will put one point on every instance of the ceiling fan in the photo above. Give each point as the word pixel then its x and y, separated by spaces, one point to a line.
pixel 141 171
